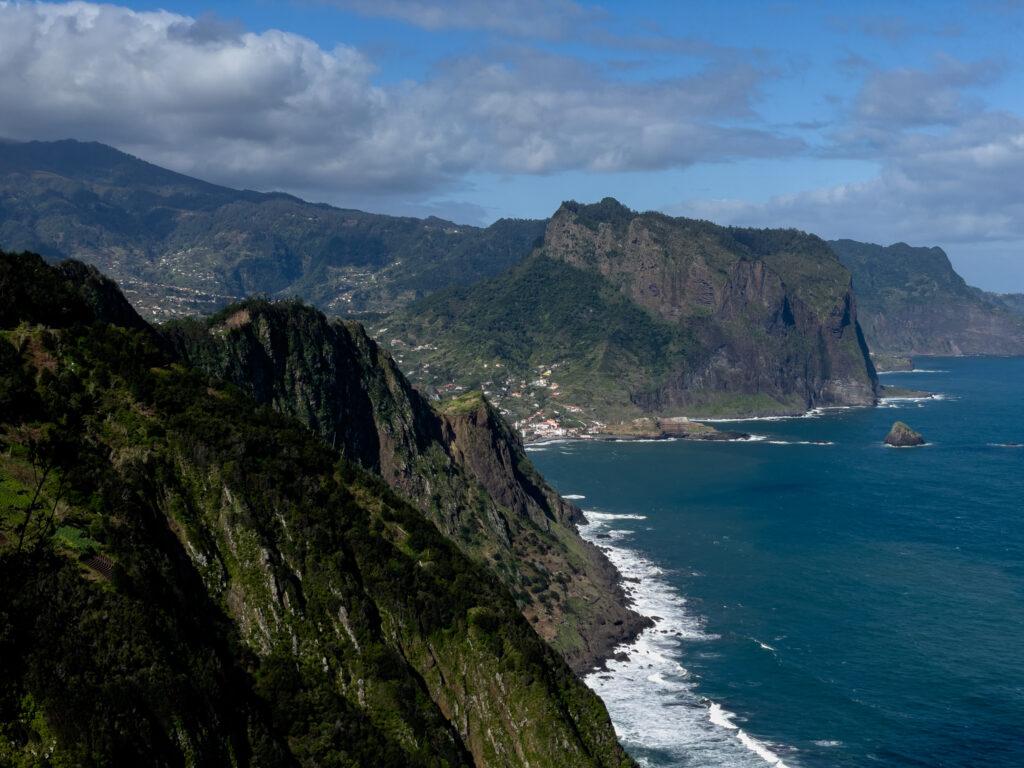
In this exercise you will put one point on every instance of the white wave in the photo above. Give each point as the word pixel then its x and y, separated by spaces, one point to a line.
pixel 800 442
pixel 915 370
pixel 572 496
pixel 652 698
pixel 592 515
pixel 723 719
pixel 828 743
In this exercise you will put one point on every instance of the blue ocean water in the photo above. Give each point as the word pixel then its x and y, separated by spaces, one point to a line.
pixel 821 599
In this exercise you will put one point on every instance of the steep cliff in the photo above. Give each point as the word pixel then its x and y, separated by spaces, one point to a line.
pixel 772 310
pixel 187 578
pixel 461 465
pixel 913 303
pixel 632 314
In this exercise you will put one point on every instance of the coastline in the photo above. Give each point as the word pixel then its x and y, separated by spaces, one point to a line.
pixel 645 669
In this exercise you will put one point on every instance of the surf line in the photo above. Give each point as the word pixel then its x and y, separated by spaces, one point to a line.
pixel 644 675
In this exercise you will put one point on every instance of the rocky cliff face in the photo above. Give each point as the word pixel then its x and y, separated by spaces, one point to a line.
pixel 461 464
pixel 189 579
pixel 912 303
pixel 772 311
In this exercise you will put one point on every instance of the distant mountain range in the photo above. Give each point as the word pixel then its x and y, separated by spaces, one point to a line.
pixel 180 246
pixel 676 316
pixel 911 302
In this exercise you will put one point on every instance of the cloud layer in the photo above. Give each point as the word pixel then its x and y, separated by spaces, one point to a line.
pixel 274 110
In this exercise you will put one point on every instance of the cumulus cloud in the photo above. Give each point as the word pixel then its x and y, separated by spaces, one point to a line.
pixel 958 188
pixel 533 19
pixel 906 97
pixel 274 110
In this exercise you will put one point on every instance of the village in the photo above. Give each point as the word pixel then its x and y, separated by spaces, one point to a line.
pixel 532 405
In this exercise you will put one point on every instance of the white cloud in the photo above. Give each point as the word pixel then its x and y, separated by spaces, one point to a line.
pixel 909 96
pixel 274 110
pixel 529 19
pixel 958 188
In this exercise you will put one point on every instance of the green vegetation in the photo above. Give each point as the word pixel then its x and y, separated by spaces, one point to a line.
pixel 912 302
pixel 187 578
pixel 460 464
pixel 617 315
pixel 505 332
pixel 181 246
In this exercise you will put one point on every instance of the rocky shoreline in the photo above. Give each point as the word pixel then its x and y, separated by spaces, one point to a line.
pixel 672 428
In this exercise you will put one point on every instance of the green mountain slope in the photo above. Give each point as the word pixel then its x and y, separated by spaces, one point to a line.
pixel 632 314
pixel 462 467
pixel 912 302
pixel 178 245
pixel 187 578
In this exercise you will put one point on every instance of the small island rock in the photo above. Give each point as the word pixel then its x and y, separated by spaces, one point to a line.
pixel 902 436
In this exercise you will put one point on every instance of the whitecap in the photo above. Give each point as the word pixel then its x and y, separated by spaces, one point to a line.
pixel 651 697
pixel 572 496
pixel 593 515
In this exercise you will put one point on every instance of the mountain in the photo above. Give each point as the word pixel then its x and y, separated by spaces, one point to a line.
pixel 461 466
pixel 1014 302
pixel 912 302
pixel 182 246
pixel 618 314
pixel 187 577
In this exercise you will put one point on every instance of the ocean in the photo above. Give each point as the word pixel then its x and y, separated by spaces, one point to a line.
pixel 821 599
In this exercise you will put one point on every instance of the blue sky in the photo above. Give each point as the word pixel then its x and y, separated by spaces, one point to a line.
pixel 880 122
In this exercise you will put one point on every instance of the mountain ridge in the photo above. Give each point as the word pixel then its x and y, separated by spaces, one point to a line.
pixel 190 578
pixel 178 245
pixel 914 303
pixel 460 464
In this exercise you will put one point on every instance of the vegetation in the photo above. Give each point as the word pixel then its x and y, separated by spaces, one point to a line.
pixel 187 578
pixel 181 246
pixel 912 302
pixel 617 315
pixel 459 464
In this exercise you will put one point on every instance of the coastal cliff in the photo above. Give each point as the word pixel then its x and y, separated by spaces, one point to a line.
pixel 190 578
pixel 459 464
pixel 772 311
pixel 618 315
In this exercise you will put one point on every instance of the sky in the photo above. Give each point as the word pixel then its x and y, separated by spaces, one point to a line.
pixel 877 121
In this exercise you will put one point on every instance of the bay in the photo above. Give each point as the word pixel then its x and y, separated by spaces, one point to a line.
pixel 822 599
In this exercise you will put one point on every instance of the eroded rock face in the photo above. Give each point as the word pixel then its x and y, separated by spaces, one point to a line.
pixel 772 311
pixel 902 436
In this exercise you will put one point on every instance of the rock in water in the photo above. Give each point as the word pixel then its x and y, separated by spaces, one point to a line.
pixel 902 436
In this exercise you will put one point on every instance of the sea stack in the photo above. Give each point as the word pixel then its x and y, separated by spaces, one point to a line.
pixel 902 436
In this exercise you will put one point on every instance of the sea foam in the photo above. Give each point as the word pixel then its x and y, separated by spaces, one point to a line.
pixel 653 700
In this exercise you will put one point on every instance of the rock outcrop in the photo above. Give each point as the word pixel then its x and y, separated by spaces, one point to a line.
pixel 902 436
pixel 772 311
